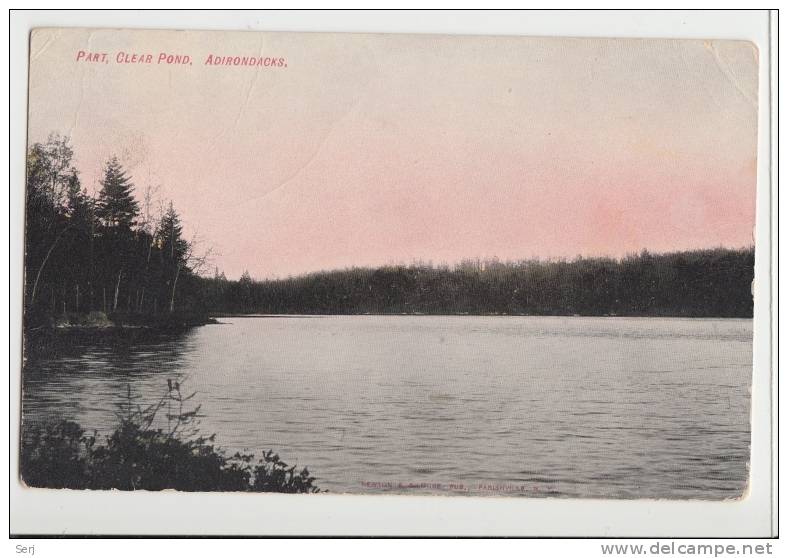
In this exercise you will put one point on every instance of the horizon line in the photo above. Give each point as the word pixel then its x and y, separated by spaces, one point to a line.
pixel 494 260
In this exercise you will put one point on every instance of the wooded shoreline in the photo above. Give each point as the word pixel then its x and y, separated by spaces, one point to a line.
pixel 114 257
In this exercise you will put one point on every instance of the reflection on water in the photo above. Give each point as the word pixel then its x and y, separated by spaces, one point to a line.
pixel 535 406
pixel 91 379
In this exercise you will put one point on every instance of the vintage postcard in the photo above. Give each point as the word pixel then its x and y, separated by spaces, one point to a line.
pixel 389 264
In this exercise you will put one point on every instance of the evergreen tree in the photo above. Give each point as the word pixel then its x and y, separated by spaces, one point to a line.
pixel 117 207
pixel 170 237
pixel 78 203
pixel 174 250
pixel 117 210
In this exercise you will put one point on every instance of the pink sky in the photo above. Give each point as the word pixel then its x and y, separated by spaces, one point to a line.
pixel 374 149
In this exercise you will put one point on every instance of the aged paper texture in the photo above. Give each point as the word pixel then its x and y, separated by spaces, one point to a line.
pixel 370 263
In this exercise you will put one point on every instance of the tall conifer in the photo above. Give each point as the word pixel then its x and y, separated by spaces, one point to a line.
pixel 117 207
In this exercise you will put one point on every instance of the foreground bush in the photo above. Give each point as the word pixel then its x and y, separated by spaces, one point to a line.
pixel 138 456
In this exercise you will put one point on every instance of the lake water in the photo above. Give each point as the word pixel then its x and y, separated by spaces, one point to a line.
pixel 527 406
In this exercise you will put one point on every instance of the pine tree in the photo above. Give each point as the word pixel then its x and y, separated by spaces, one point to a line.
pixel 77 199
pixel 117 210
pixel 170 237
pixel 173 248
pixel 117 207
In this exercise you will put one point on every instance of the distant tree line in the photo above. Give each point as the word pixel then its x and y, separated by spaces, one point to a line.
pixel 700 283
pixel 99 253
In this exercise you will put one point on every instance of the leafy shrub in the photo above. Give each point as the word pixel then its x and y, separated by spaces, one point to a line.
pixel 138 456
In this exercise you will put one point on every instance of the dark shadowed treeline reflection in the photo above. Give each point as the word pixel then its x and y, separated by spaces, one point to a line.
pixel 83 375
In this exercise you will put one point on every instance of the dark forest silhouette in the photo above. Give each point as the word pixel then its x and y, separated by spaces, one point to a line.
pixel 701 283
pixel 104 254
pixel 91 257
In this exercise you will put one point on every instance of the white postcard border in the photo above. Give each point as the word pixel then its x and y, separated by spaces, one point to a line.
pixel 36 511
